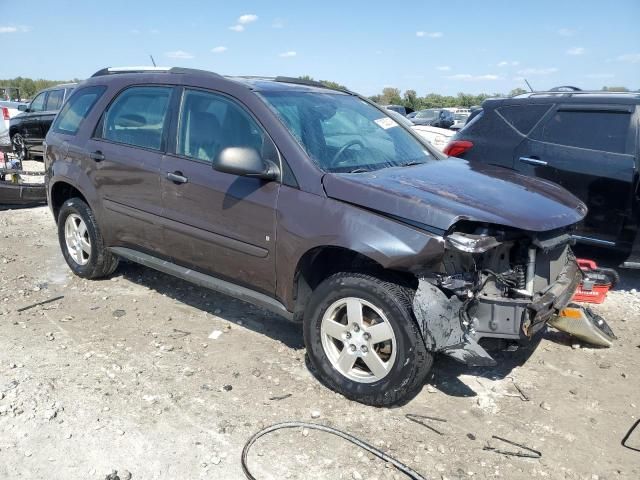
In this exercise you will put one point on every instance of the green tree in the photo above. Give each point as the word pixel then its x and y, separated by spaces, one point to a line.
pixel 517 91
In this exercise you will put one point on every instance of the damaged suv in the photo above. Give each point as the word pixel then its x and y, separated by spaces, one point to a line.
pixel 315 204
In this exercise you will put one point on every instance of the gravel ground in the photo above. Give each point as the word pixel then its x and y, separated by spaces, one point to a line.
pixel 157 379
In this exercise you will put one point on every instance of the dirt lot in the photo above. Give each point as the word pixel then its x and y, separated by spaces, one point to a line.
pixel 147 375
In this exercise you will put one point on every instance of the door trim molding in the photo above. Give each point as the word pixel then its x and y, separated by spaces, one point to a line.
pixel 204 280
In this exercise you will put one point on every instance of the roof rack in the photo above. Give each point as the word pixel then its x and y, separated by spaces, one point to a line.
pixel 310 83
pixel 564 93
pixel 145 69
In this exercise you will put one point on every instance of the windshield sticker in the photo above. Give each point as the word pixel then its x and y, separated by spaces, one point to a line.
pixel 386 123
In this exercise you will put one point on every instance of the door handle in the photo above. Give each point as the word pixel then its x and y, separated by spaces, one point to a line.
pixel 97 156
pixel 533 161
pixel 177 177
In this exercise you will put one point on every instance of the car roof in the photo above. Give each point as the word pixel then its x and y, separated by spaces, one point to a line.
pixel 62 85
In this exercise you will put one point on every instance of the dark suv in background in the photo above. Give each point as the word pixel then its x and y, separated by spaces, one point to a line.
pixel 586 142
pixel 434 117
pixel 28 129
pixel 316 204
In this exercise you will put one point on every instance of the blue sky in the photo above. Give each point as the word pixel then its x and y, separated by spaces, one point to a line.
pixel 430 46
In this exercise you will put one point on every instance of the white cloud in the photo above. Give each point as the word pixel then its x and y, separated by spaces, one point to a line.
pixel 237 28
pixel 566 32
pixel 538 71
pixel 290 53
pixel 247 18
pixel 220 49
pixel 429 34
pixel 179 54
pixel 576 51
pixel 506 63
pixel 600 75
pixel 629 58
pixel 14 29
pixel 443 68
pixel 469 77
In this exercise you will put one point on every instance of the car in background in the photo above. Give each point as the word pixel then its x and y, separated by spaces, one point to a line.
pixel 587 142
pixel 434 117
pixel 8 110
pixel 28 129
pixel 401 109
pixel 459 119
pixel 438 137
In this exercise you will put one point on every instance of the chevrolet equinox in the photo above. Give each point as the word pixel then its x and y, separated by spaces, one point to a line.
pixel 316 204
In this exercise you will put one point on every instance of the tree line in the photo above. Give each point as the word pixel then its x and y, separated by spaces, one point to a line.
pixel 29 87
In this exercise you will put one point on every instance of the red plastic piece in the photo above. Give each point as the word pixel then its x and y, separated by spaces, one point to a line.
pixel 599 289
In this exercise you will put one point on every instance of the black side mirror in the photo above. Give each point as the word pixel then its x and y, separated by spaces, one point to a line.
pixel 23 108
pixel 245 162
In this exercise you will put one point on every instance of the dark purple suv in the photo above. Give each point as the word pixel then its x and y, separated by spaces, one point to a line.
pixel 313 203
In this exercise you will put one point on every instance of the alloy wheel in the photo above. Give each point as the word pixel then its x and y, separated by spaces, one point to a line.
pixel 77 239
pixel 19 147
pixel 358 340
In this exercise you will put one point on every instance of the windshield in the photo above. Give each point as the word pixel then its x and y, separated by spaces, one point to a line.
pixel 343 133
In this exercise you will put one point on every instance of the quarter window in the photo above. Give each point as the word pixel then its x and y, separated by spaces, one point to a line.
pixel 137 117
pixel 76 109
pixel 209 123
pixel 54 100
pixel 605 131
pixel 37 105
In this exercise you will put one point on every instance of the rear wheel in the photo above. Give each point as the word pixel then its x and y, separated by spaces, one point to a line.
pixel 82 243
pixel 363 341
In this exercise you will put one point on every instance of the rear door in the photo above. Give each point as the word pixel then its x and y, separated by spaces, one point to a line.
pixel 589 150
pixel 125 155
pixel 216 222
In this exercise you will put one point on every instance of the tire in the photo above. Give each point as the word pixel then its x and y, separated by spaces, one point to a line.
pixel 88 258
pixel 19 147
pixel 406 370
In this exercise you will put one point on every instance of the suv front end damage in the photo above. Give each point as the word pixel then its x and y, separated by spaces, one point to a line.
pixel 494 282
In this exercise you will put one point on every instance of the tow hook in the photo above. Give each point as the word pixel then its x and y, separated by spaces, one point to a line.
pixel 584 324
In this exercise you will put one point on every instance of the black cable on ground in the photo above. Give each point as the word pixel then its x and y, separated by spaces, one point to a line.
pixel 312 426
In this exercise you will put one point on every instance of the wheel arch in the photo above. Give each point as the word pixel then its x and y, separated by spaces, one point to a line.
pixel 60 192
pixel 320 262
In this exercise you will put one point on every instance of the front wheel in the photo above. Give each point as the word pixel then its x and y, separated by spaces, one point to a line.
pixel 363 341
pixel 19 147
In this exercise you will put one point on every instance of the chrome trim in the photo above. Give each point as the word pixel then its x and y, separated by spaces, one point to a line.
pixel 533 161
pixel 593 241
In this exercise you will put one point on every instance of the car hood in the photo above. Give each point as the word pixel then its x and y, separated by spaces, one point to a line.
pixel 442 192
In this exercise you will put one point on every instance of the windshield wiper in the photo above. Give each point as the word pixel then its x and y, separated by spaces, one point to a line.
pixel 411 163
pixel 359 170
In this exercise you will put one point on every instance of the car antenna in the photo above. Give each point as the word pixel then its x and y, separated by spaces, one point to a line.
pixel 152 60
pixel 526 81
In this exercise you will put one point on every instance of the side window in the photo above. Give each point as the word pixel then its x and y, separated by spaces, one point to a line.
pixel 137 117
pixel 209 123
pixel 38 103
pixel 76 109
pixel 523 117
pixel 54 100
pixel 595 130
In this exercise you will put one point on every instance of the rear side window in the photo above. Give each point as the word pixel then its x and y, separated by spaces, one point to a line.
pixel 523 117
pixel 137 117
pixel 209 123
pixel 76 109
pixel 54 100
pixel 595 130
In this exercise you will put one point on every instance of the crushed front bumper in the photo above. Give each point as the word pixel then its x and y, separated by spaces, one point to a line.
pixel 441 321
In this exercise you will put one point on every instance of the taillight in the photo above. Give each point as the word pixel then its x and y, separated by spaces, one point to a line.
pixel 457 147
pixel 5 113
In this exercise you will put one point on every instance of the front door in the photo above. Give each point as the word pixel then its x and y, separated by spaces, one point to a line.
pixel 31 122
pixel 126 155
pixel 215 222
pixel 589 151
